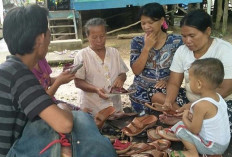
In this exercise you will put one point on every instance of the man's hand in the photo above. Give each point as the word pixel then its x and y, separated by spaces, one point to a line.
pixel 65 77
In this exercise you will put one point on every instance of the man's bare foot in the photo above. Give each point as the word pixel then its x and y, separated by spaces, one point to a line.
pixel 169 120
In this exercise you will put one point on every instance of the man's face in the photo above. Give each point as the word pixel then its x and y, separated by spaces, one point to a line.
pixel 44 46
pixel 97 37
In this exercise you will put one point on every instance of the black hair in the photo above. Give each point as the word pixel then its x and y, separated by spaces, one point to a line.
pixel 21 27
pixel 94 22
pixel 153 10
pixel 198 19
pixel 210 69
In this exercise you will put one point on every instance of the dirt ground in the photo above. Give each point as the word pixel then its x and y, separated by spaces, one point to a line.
pixel 69 92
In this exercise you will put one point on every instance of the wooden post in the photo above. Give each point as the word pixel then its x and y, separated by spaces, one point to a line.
pixel 79 26
pixel 171 8
pixel 219 14
pixel 225 17
pixel 209 4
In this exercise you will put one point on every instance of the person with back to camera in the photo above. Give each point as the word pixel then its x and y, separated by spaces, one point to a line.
pixel 31 124
pixel 205 126
pixel 103 69
pixel 196 33
pixel 151 55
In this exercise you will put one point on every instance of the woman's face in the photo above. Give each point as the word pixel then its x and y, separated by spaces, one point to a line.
pixel 151 26
pixel 97 37
pixel 194 39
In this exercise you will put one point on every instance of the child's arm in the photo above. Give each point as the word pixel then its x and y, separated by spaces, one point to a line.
pixel 195 124
pixel 56 82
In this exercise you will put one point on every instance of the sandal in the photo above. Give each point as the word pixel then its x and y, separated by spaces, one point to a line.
pixel 160 108
pixel 103 115
pixel 140 147
pixel 204 155
pixel 139 124
pixel 166 133
pixel 153 135
pixel 155 106
pixel 120 114
pixel 122 146
pixel 161 144
pixel 156 153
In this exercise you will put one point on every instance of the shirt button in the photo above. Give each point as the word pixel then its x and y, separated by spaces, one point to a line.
pixel 78 142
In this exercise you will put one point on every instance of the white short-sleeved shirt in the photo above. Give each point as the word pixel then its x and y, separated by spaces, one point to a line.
pixel 184 57
pixel 100 74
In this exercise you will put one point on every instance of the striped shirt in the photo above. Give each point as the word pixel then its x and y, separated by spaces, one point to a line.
pixel 22 98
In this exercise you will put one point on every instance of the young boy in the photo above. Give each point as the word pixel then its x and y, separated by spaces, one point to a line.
pixel 30 121
pixel 204 128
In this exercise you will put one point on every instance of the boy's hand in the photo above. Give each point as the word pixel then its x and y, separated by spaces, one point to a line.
pixel 184 107
pixel 188 115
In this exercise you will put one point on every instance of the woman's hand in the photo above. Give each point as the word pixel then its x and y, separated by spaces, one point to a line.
pixel 161 84
pixel 101 93
pixel 118 82
pixel 150 40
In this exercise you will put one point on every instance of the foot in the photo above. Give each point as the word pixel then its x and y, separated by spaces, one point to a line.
pixel 169 120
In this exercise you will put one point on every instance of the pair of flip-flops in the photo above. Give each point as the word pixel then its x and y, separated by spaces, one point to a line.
pixel 139 124
pixel 160 132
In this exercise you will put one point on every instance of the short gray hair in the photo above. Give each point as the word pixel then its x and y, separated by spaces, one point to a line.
pixel 94 22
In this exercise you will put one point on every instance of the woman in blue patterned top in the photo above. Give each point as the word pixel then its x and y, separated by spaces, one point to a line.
pixel 151 55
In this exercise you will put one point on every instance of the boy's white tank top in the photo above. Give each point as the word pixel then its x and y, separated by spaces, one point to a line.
pixel 216 129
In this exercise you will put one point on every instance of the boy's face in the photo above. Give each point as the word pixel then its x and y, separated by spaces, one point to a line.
pixel 194 82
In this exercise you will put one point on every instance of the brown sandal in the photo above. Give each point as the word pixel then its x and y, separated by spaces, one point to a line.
pixel 102 116
pixel 161 144
pixel 153 135
pixel 166 133
pixel 139 124
pixel 160 108
pixel 156 153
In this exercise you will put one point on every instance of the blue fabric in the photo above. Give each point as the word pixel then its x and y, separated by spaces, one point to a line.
pixel 85 138
pixel 156 68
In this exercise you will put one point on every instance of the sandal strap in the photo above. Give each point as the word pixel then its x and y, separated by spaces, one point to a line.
pixel 131 128
pixel 137 123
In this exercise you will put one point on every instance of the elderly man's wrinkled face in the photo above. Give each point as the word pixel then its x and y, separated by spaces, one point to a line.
pixel 97 37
